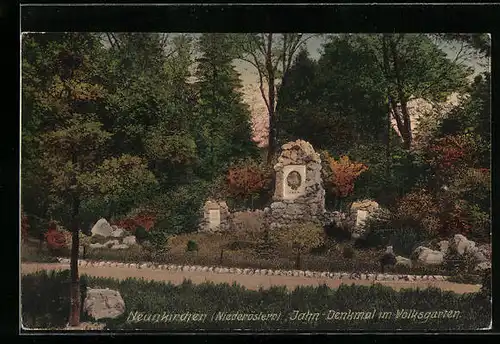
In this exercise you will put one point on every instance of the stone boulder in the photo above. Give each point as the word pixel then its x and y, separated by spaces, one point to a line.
pixel 483 266
pixel 361 211
pixel 444 246
pixel 485 249
pixel 97 245
pixel 102 228
pixel 367 205
pixel 110 243
pixel 402 261
pixel 428 256
pixel 117 232
pixel 103 303
pixel 460 244
pixel 478 256
pixel 119 247
pixel 129 240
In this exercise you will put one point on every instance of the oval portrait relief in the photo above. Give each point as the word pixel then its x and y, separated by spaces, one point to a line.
pixel 294 180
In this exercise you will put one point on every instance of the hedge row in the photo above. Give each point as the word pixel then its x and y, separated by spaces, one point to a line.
pixel 153 305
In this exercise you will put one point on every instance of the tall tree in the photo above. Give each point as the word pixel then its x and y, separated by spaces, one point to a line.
pixel 67 131
pixel 223 119
pixel 271 55
pixel 329 103
pixel 414 67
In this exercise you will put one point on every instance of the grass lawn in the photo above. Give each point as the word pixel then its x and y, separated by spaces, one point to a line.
pixel 152 305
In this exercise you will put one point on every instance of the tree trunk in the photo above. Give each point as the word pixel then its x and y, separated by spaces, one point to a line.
pixel 406 133
pixel 221 257
pixel 297 261
pixel 74 316
pixel 272 100
pixel 388 144
pixel 386 64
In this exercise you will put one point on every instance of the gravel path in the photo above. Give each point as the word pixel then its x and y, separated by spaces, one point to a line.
pixel 249 281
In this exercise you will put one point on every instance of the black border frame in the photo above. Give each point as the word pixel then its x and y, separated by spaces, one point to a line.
pixel 244 18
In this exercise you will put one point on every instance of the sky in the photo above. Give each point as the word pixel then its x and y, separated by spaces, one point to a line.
pixel 313 46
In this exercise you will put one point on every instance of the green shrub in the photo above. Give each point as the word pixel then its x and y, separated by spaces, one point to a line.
pixel 141 234
pixel 338 233
pixel 486 284
pixel 45 298
pixel 378 228
pixel 154 253
pixel 406 239
pixel 158 237
pixel 191 246
pixel 386 228
pixel 348 252
pixel 458 264
pixel 155 297
pixel 31 253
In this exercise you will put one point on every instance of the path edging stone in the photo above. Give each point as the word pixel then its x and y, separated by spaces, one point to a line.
pixel 268 272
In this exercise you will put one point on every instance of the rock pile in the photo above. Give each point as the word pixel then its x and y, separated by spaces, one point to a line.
pixel 428 256
pixel 111 237
pixel 460 246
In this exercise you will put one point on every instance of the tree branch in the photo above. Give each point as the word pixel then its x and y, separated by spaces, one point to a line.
pixel 261 79
pixel 446 71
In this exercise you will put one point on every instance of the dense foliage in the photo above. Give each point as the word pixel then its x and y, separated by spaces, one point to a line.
pixel 121 125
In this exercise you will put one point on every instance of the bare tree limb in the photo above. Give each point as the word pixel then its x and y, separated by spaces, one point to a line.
pixel 261 79
pixel 115 39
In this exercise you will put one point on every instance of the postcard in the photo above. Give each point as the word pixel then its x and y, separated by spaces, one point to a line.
pixel 246 182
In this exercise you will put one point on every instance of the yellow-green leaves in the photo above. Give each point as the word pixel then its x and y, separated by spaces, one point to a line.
pixel 174 148
pixel 301 237
pixel 118 176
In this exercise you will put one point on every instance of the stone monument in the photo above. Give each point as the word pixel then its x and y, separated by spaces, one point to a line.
pixel 216 216
pixel 299 195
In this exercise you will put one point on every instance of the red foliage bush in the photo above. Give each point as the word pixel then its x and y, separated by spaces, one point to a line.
pixel 455 219
pixel 449 153
pixel 246 179
pixel 55 239
pixel 438 215
pixel 142 219
pixel 344 174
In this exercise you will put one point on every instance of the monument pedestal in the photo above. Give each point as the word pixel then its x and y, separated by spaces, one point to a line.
pixel 299 195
